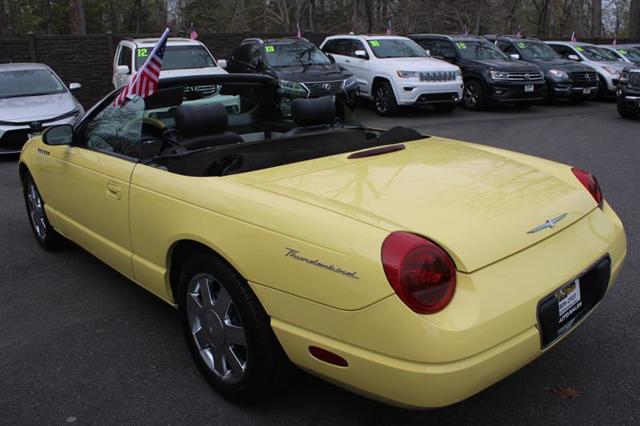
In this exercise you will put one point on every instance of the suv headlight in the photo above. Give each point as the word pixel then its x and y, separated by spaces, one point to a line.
pixel 408 74
pixel 611 70
pixel 458 73
pixel 498 74
pixel 559 74
pixel 292 88
pixel 624 77
pixel 349 83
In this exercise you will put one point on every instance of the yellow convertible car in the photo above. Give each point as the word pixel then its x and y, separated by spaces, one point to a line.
pixel 415 270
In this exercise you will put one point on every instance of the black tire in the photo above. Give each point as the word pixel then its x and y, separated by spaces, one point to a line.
pixel 47 237
pixel 265 363
pixel 447 107
pixel 624 113
pixel 473 97
pixel 576 100
pixel 385 100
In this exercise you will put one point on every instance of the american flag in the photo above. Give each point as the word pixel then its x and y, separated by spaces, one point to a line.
pixel 193 35
pixel 145 81
pixel 573 37
pixel 389 30
pixel 298 34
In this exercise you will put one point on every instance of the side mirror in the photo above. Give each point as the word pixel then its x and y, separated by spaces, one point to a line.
pixel 58 135
pixel 428 52
pixel 122 69
pixel 260 66
pixel 331 58
pixel 362 54
pixel 573 57
pixel 222 63
pixel 514 56
pixel 75 86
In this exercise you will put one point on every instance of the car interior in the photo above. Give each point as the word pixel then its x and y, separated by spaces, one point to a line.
pixel 235 128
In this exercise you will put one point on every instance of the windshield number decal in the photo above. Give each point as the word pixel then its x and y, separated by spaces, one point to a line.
pixel 269 49
pixel 461 45
pixel 521 45
pixel 579 49
pixel 143 53
pixel 623 51
pixel 374 43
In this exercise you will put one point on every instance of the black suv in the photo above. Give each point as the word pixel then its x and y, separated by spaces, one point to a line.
pixel 490 77
pixel 565 78
pixel 302 70
pixel 628 93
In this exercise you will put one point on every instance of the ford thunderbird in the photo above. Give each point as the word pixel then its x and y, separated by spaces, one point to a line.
pixel 412 269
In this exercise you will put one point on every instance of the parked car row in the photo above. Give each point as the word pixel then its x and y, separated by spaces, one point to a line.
pixel 392 71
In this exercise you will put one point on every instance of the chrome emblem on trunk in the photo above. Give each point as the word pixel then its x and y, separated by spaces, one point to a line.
pixel 548 224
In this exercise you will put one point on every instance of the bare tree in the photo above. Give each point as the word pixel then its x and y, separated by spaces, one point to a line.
pixel 596 18
pixel 634 19
pixel 77 17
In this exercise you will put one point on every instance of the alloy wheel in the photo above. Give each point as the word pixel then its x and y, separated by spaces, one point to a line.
pixel 216 328
pixel 471 95
pixel 382 99
pixel 36 211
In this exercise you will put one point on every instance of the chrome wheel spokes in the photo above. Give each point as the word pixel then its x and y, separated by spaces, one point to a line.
pixel 216 327
pixel 36 211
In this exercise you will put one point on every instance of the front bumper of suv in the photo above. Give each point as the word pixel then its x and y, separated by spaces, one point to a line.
pixel 504 92
pixel 424 93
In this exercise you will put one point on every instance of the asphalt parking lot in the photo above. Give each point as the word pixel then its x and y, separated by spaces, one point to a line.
pixel 81 344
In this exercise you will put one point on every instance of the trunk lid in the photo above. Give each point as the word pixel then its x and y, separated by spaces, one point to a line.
pixel 478 205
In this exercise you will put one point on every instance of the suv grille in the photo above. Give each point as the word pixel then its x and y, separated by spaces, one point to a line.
pixel 521 76
pixel 323 88
pixel 438 76
pixel 588 78
pixel 634 79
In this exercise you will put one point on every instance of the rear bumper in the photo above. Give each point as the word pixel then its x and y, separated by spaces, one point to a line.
pixel 489 330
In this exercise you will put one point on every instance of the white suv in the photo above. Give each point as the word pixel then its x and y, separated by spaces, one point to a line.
pixel 183 57
pixel 394 71
pixel 604 62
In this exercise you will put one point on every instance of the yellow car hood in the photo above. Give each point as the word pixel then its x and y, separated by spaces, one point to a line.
pixel 478 204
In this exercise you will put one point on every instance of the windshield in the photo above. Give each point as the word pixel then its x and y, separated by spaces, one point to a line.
pixel 396 48
pixel 478 50
pixel 179 57
pixel 595 53
pixel 20 83
pixel 631 53
pixel 536 50
pixel 294 54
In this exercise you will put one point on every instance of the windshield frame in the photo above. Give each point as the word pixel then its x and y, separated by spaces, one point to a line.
pixel 375 43
pixel 268 49
pixel 525 51
pixel 592 52
pixel 462 49
pixel 139 59
pixel 53 75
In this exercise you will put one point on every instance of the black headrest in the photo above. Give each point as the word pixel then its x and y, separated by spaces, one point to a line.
pixel 201 119
pixel 314 111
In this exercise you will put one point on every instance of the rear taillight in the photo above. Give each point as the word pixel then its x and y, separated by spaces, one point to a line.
pixel 421 273
pixel 591 183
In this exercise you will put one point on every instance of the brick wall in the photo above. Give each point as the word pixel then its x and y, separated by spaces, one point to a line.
pixel 87 59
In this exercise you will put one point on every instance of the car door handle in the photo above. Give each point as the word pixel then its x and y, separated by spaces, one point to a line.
pixel 348 61
pixel 113 190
